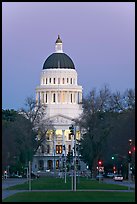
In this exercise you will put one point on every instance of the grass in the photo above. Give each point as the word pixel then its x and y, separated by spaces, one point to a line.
pixel 51 183
pixel 72 197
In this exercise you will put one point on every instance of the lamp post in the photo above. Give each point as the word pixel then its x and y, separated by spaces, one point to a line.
pixel 54 151
pixel 73 133
pixel 29 176
pixel 129 162
pixel 75 159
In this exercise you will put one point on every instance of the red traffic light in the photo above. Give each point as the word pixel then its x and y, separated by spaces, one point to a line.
pixel 100 162
pixel 114 168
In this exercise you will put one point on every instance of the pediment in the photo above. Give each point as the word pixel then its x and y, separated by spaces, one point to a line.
pixel 61 120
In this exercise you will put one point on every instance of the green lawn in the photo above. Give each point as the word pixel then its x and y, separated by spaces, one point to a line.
pixel 51 183
pixel 72 197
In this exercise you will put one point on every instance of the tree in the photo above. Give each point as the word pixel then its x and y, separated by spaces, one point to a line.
pixel 36 113
pixel 106 116
pixel 95 126
pixel 17 141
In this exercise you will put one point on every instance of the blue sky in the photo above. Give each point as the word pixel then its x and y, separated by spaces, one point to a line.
pixel 98 36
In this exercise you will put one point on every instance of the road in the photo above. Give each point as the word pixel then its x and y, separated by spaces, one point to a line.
pixel 11 182
pixel 123 183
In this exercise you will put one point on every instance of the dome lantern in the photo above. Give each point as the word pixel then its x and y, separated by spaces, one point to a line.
pixel 58 45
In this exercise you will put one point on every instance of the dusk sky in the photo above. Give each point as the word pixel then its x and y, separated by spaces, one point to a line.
pixel 98 36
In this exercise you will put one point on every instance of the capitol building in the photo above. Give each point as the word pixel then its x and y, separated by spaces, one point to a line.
pixel 60 93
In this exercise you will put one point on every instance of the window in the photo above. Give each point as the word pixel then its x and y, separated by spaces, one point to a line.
pixel 54 80
pixel 67 80
pixel 71 80
pixel 63 81
pixel 54 98
pixel 50 80
pixel 71 98
pixel 57 164
pixel 69 148
pixel 46 98
pixel 58 149
pixel 46 80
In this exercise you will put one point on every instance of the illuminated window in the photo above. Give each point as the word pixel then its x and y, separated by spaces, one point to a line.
pixel 58 149
pixel 57 164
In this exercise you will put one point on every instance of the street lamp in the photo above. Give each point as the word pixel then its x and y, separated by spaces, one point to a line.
pixel 129 162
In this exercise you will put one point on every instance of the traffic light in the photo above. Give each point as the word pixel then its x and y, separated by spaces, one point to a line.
pixel 70 157
pixel 100 163
pixel 129 156
pixel 130 142
pixel 71 128
pixel 114 169
pixel 112 157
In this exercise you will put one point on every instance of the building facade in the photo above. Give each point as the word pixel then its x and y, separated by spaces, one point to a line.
pixel 62 95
